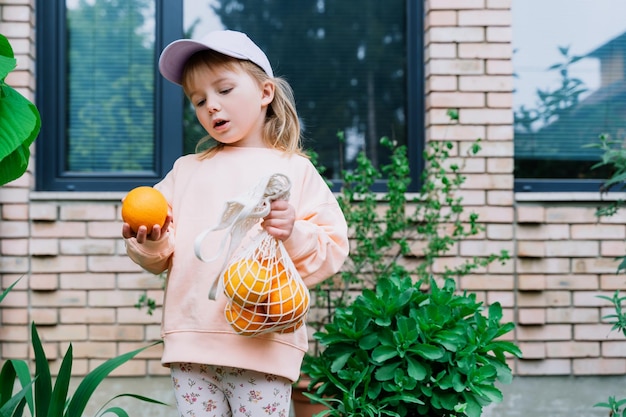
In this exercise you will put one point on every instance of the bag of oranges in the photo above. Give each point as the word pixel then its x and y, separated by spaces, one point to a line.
pixel 264 290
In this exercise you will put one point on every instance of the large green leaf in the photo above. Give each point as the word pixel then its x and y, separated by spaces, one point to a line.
pixel 89 384
pixel 20 122
pixel 7 59
pixel 43 383
pixel 15 404
pixel 12 405
pixel 61 387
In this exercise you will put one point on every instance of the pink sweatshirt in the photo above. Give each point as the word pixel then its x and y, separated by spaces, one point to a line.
pixel 193 327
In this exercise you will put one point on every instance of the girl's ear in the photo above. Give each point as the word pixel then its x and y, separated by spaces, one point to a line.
pixel 267 89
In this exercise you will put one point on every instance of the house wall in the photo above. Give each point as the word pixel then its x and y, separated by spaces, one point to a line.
pixel 78 285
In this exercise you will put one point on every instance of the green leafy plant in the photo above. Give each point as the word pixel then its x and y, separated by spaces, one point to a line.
pixel 20 121
pixel 395 343
pixel 400 351
pixel 614 157
pixel 386 227
pixel 46 398
pixel 52 400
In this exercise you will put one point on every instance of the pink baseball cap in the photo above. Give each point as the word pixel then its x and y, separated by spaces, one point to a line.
pixel 228 42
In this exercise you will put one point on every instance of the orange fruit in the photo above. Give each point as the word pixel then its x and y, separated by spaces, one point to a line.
pixel 246 320
pixel 144 206
pixel 287 299
pixel 292 328
pixel 246 282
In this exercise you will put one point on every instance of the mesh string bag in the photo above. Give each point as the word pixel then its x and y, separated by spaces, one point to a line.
pixel 264 290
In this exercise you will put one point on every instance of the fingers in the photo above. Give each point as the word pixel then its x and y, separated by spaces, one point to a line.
pixel 142 234
pixel 279 222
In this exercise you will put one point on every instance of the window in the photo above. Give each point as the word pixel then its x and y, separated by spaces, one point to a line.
pixel 111 122
pixel 107 119
pixel 349 75
pixel 570 87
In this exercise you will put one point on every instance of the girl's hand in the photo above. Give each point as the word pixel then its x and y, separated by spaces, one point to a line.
pixel 142 234
pixel 279 223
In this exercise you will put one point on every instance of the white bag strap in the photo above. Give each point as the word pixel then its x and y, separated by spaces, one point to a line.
pixel 239 216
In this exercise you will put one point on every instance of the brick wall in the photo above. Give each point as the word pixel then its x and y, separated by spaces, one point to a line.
pixel 79 286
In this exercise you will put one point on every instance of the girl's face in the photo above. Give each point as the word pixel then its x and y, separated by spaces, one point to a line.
pixel 231 105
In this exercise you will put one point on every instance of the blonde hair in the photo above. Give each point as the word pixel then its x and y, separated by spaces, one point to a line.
pixel 282 125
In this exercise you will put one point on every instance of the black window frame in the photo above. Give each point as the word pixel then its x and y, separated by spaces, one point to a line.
pixel 51 70
pixel 51 99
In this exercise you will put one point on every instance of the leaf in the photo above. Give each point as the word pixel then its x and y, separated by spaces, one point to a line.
pixel 119 412
pixel 369 342
pixel 490 392
pixel 5 292
pixel 122 413
pixel 340 362
pixel 427 351
pixel 88 385
pixel 23 375
pixel 43 383
pixel 7 58
pixel 61 387
pixel 383 353
pixel 416 370
pixel 386 372
pixel 15 404
pixel 21 122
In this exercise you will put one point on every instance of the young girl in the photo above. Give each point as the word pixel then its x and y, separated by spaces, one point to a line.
pixel 252 118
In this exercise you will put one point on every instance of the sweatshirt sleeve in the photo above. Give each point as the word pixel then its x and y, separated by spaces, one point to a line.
pixel 152 256
pixel 318 245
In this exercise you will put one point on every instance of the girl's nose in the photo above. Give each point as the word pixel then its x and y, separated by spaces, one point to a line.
pixel 213 106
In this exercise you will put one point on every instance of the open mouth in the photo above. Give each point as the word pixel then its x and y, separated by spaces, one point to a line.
pixel 219 123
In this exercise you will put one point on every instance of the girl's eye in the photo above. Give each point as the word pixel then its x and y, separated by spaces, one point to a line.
pixel 225 91
pixel 200 103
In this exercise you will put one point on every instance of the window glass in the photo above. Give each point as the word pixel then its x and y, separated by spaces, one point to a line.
pixel 110 90
pixel 570 84
pixel 348 74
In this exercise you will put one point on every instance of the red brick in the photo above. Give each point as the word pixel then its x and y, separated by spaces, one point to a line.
pixel 573 282
pixel 531 316
pixel 116 332
pixel 544 333
pixel 456 4
pixel 89 315
pixel 599 366
pixel 543 232
pixel 14 316
pixel 544 367
pixel 531 282
pixel 600 332
pixel 572 315
pixel 485 18
pixel 58 299
pixel 485 50
pixel 572 349
pixel 532 350
pixel 87 281
pixel 614 349
pixel 44 282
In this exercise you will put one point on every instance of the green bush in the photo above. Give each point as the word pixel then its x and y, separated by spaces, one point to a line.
pixel 400 351
pixel 408 344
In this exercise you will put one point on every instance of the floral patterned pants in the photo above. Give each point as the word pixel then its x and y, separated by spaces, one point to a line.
pixel 219 391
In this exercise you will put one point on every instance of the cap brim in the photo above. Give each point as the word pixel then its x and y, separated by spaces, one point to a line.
pixel 174 57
